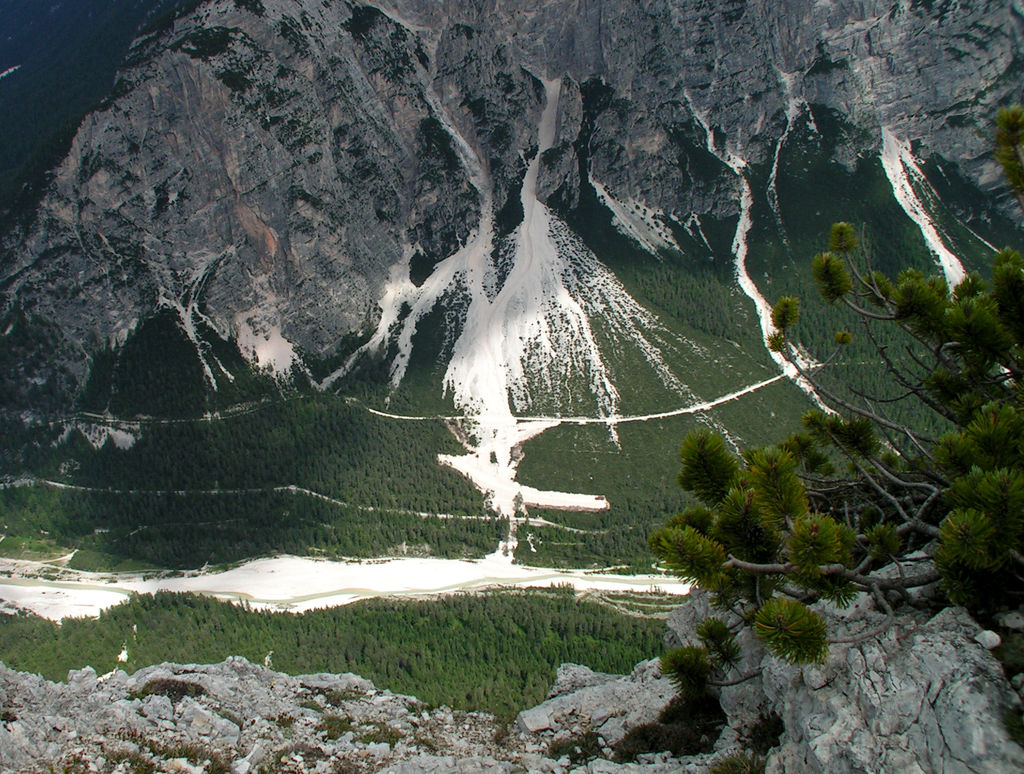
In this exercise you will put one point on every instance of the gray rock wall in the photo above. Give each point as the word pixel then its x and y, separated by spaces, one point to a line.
pixel 925 696
pixel 273 170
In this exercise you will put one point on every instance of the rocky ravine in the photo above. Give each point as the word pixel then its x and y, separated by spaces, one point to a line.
pixel 924 697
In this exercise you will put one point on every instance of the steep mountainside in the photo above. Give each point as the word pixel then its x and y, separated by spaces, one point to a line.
pixel 271 166
pixel 498 210
pixel 57 60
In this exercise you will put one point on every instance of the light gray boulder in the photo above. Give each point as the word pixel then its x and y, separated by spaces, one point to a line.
pixel 926 695
pixel 923 697
pixel 609 706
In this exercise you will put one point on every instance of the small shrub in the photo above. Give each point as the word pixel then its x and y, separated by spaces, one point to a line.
pixel 204 43
pixel 335 697
pixel 703 711
pixel 427 743
pixel 677 739
pixel 231 717
pixel 284 721
pixel 740 763
pixel 765 732
pixel 234 80
pixel 688 669
pixel 1011 653
pixel 381 734
pixel 345 767
pixel 685 727
pixel 75 764
pixel 580 749
pixel 1014 726
pixel 175 690
pixel 307 752
pixel 195 753
pixel 334 726
pixel 137 762
pixel 253 6
pixel 502 733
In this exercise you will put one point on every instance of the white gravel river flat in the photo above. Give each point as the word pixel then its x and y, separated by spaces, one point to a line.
pixel 295 584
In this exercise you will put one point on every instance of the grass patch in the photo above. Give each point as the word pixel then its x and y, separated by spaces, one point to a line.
pixel 175 690
pixel 36 549
pixel 685 727
pixel 580 748
pixel 333 726
pixel 381 734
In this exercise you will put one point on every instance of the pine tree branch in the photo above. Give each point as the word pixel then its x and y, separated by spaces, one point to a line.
pixel 903 380
pixel 840 570
pixel 864 313
pixel 831 397
pixel 874 291
pixel 890 476
pixel 864 564
pixel 885 493
pixel 890 618
pixel 761 569
pixel 888 584
pixel 736 681
pixel 870 634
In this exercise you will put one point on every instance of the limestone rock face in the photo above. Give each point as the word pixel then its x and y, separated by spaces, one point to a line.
pixel 924 696
pixel 607 704
pixel 234 712
pixel 269 173
pixel 250 718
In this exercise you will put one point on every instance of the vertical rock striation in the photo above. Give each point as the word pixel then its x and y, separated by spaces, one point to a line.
pixel 267 173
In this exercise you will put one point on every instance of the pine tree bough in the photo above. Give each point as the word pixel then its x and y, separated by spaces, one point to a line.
pixel 864 503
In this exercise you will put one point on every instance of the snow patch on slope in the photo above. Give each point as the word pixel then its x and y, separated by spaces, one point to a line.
pixel 528 341
pixel 98 434
pixel 189 313
pixel 532 335
pixel 266 348
pixel 534 338
pixel 903 172
pixel 403 304
pixel 738 165
pixel 695 229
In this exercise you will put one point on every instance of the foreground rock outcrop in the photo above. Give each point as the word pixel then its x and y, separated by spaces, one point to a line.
pixel 239 717
pixel 924 696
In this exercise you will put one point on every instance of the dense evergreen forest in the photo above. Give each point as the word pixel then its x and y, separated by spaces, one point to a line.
pixel 312 474
pixel 495 651
pixel 174 530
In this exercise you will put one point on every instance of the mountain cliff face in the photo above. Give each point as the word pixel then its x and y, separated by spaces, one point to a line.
pixel 290 173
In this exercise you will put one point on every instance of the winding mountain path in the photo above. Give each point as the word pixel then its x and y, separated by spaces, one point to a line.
pixel 616 419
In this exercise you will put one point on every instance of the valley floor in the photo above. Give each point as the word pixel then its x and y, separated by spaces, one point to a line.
pixel 296 584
